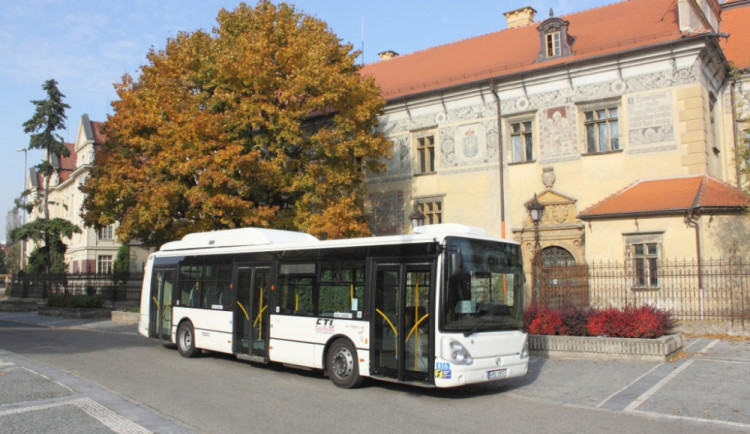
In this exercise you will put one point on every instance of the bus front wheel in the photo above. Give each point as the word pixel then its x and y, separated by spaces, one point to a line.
pixel 342 364
pixel 186 340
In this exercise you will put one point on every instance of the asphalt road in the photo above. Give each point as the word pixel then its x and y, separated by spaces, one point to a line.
pixel 705 391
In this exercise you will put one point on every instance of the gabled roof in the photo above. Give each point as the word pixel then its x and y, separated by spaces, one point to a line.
pixel 65 166
pixel 667 196
pixel 68 164
pixel 605 30
pixel 735 21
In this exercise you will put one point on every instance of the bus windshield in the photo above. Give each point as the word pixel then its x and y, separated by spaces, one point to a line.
pixel 484 286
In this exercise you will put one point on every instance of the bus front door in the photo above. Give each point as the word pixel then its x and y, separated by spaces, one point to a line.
pixel 401 345
pixel 251 311
pixel 160 316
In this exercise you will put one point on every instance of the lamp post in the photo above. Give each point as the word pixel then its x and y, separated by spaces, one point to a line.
pixel 23 210
pixel 535 213
pixel 417 218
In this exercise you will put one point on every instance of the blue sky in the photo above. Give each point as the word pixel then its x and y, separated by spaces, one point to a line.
pixel 88 45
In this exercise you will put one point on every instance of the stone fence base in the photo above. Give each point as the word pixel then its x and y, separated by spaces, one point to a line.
pixel 603 348
pixel 125 318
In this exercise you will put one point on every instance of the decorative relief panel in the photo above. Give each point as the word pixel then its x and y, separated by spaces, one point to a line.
pixel 558 135
pixel 468 145
pixel 400 161
pixel 389 217
pixel 650 122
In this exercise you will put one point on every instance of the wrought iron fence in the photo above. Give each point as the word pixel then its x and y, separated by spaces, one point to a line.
pixel 117 290
pixel 715 289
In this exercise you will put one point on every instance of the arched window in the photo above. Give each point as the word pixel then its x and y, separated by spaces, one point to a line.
pixel 555 256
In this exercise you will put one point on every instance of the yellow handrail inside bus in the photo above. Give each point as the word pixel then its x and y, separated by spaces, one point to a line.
pixel 164 314
pixel 157 304
pixel 416 325
pixel 247 317
pixel 385 317
pixel 257 319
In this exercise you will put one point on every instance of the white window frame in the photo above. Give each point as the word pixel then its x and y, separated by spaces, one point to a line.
pixel 520 147
pixel 106 232
pixel 553 44
pixel 104 264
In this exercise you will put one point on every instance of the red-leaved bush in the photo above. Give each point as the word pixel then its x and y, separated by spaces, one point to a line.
pixel 630 322
pixel 547 322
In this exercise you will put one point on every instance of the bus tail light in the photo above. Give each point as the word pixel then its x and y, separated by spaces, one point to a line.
pixel 454 352
pixel 525 350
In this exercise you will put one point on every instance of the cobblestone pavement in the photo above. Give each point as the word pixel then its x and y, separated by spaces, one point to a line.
pixel 707 383
pixel 35 398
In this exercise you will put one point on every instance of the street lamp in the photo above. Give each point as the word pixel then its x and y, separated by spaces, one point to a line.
pixel 23 210
pixel 417 218
pixel 535 209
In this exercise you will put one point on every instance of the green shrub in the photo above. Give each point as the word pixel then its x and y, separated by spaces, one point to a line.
pixel 78 301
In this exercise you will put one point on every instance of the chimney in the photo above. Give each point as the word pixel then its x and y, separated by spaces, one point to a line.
pixel 520 17
pixel 388 54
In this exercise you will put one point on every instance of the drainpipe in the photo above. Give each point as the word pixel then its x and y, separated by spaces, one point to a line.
pixel 736 130
pixel 692 221
pixel 500 156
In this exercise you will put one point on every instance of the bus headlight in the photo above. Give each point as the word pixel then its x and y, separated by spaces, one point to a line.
pixel 455 352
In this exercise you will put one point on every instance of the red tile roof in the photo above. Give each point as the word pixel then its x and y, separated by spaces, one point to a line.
pixel 735 21
pixel 600 31
pixel 99 136
pixel 670 196
pixel 68 164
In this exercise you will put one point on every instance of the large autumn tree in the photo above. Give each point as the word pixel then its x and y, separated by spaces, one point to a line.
pixel 263 122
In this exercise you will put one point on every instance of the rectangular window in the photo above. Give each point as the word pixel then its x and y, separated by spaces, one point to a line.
pixel 553 44
pixel 106 233
pixel 645 264
pixel 295 289
pixel 206 286
pixel 104 264
pixel 341 289
pixel 602 130
pixel 522 140
pixel 426 154
pixel 433 212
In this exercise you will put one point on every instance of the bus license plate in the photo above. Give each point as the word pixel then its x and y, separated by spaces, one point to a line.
pixel 495 375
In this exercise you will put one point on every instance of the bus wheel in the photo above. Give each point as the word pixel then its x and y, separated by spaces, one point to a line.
pixel 186 340
pixel 342 364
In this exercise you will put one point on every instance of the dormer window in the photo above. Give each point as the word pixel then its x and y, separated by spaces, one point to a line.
pixel 553 44
pixel 554 39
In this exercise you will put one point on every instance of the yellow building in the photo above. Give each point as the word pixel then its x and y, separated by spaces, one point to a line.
pixel 621 121
pixel 91 251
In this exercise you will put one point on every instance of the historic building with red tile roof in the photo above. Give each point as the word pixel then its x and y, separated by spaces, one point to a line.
pixel 91 251
pixel 621 120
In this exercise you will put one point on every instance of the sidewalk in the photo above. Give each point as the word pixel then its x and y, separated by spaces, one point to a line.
pixel 707 384
pixel 35 398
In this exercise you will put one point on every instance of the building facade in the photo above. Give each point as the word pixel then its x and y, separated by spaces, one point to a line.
pixel 621 121
pixel 92 250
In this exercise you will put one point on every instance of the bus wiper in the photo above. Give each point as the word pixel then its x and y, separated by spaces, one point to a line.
pixel 475 329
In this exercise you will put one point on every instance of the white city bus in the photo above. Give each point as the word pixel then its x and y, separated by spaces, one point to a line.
pixel 442 307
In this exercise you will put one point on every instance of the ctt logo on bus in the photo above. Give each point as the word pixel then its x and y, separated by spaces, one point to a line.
pixel 324 325
pixel 442 370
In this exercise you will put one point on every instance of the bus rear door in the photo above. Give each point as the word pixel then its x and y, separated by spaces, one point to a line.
pixel 251 311
pixel 160 315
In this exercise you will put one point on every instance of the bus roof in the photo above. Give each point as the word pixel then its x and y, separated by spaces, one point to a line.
pixel 274 239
